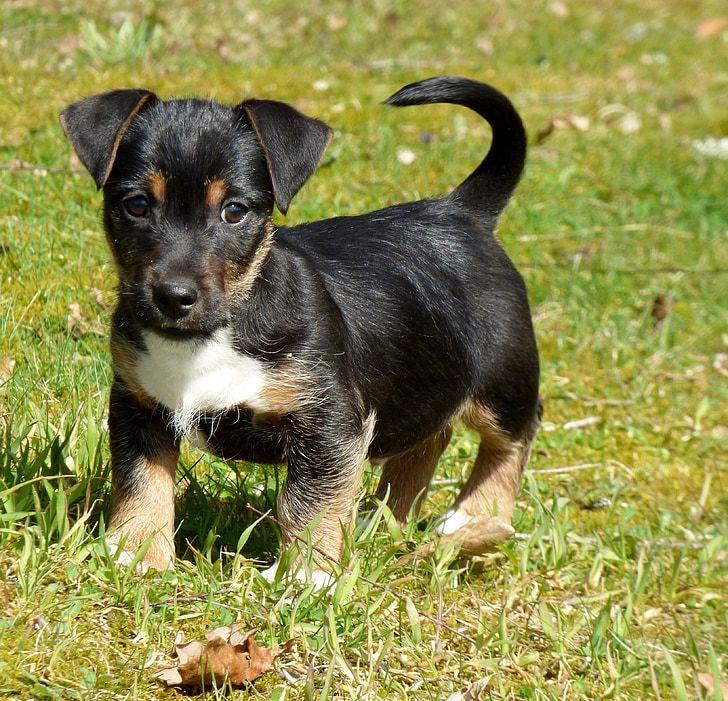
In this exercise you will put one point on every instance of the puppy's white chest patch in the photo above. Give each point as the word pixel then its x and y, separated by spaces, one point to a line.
pixel 195 377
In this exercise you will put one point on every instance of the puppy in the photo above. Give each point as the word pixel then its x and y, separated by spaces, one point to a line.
pixel 321 345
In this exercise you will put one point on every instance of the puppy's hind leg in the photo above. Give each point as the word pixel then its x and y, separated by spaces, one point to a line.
pixel 406 477
pixel 481 515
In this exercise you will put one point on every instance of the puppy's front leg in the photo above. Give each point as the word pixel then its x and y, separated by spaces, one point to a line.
pixel 144 454
pixel 326 455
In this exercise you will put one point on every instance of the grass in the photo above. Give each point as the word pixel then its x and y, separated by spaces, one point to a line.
pixel 615 585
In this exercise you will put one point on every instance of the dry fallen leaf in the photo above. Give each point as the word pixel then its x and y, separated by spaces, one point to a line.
pixel 475 692
pixel 711 27
pixel 720 363
pixel 335 22
pixel 629 123
pixel 661 307
pixel 99 298
pixel 484 45
pixel 559 9
pixel 7 365
pixel 75 321
pixel 230 655
pixel 405 156
pixel 6 595
pixel 708 683
pixel 570 121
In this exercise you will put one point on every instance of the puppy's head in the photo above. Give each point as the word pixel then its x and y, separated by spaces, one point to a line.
pixel 189 187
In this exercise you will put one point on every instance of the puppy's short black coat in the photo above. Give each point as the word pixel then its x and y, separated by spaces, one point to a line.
pixel 319 345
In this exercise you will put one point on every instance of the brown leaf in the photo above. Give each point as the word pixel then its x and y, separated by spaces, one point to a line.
pixel 475 692
pixel 559 9
pixel 75 321
pixel 661 307
pixel 7 366
pixel 4 248
pixel 711 27
pixel 720 363
pixel 484 45
pixel 577 122
pixel 335 22
pixel 229 655
pixel 708 683
pixel 6 595
pixel 99 298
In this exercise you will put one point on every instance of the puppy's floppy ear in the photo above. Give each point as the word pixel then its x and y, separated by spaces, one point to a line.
pixel 292 144
pixel 96 125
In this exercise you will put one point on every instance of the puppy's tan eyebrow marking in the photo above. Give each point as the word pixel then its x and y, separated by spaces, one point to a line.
pixel 215 193
pixel 157 185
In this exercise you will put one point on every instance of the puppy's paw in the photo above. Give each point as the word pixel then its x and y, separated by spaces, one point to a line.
pixel 319 578
pixel 124 558
pixel 269 573
pixel 453 521
pixel 155 558
pixel 474 535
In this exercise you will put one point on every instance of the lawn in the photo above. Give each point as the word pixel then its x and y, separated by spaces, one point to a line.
pixel 615 585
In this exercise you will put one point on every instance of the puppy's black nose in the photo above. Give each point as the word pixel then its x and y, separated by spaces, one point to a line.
pixel 175 298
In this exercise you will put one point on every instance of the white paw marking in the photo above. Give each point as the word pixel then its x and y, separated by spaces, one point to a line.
pixel 454 521
pixel 322 580
pixel 319 578
pixel 269 573
pixel 125 558
pixel 193 377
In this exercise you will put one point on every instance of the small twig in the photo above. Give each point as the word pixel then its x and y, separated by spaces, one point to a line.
pixel 567 468
pixel 673 545
pixel 589 401
pixel 37 169
pixel 378 585
pixel 621 271
pixel 194 597
pixel 586 422
pixel 575 233
pixel 582 423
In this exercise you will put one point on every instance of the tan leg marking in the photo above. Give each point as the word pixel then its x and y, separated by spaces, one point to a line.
pixel 407 476
pixel 148 511
pixel 482 512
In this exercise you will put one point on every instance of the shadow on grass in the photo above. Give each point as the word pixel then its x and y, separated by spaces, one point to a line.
pixel 213 512
pixel 41 482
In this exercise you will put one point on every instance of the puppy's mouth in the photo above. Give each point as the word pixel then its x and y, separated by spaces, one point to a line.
pixel 199 323
pixel 178 334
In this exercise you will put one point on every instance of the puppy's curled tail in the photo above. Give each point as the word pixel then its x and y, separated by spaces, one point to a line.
pixel 489 187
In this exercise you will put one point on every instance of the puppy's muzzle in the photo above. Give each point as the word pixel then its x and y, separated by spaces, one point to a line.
pixel 175 298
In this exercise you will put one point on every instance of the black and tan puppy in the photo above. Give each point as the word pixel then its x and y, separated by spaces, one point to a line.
pixel 320 345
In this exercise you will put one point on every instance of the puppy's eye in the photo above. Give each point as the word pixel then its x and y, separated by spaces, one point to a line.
pixel 137 206
pixel 233 212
